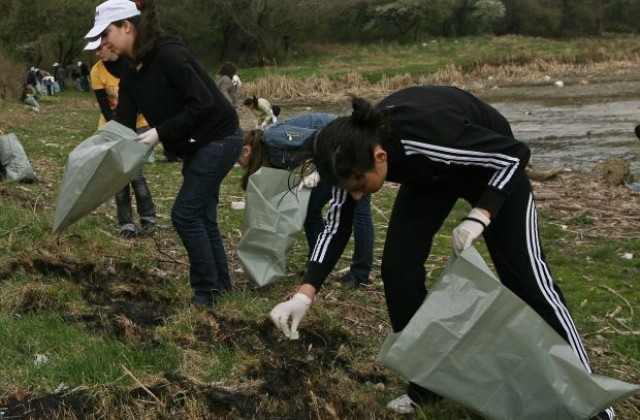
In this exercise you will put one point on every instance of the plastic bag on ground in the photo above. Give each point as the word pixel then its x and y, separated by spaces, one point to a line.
pixel 14 160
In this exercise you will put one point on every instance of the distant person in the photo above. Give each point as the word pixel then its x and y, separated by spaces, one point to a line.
pixel 30 77
pixel 59 75
pixel 441 144
pixel 40 87
pixel 256 154
pixel 50 84
pixel 29 97
pixel 264 113
pixel 192 119
pixel 225 82
pixel 105 79
pixel 84 72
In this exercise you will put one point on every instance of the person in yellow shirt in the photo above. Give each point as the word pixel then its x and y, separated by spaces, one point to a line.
pixel 105 79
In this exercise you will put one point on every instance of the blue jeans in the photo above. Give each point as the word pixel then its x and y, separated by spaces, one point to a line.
pixel 144 202
pixel 363 236
pixel 195 214
pixel 311 121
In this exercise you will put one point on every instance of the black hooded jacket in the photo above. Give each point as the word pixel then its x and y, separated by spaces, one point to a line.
pixel 177 97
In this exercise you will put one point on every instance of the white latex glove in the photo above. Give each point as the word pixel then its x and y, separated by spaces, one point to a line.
pixel 309 181
pixel 471 227
pixel 295 308
pixel 150 138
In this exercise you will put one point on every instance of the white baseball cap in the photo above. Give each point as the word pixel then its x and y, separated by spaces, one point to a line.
pixel 108 12
pixel 93 45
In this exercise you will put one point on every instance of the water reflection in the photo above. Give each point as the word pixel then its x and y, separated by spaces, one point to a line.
pixel 573 131
pixel 576 136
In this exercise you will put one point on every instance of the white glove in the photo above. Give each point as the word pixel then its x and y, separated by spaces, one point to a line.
pixel 309 181
pixel 295 308
pixel 471 227
pixel 150 138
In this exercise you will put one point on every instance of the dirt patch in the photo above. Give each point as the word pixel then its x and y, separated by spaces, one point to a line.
pixel 601 203
pixel 286 380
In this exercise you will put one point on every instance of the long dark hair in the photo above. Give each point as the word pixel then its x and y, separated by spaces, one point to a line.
pixel 344 148
pixel 148 29
pixel 252 138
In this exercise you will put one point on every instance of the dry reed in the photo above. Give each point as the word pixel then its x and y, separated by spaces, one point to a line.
pixel 482 75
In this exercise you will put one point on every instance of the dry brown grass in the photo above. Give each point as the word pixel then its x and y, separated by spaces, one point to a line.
pixel 480 76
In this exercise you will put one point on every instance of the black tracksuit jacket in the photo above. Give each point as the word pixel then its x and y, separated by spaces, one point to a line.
pixel 444 144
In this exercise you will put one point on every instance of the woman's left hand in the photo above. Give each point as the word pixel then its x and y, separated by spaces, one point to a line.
pixel 150 138
pixel 470 229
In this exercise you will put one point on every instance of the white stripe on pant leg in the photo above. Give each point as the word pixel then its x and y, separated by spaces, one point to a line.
pixel 545 283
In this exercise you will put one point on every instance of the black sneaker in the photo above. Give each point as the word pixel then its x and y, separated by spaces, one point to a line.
pixel 422 396
pixel 147 228
pixel 637 131
pixel 206 299
pixel 202 301
pixel 601 416
pixel 349 281
pixel 127 233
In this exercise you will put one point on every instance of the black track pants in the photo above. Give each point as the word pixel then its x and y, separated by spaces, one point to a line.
pixel 512 239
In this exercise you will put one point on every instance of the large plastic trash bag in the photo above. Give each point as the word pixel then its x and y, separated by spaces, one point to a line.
pixel 475 342
pixel 274 215
pixel 96 170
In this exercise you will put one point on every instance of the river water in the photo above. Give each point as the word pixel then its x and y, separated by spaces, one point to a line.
pixel 574 127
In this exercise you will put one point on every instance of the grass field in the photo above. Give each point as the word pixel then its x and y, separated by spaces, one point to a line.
pixel 95 326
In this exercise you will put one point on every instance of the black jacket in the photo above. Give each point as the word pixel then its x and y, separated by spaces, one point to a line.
pixel 177 97
pixel 435 137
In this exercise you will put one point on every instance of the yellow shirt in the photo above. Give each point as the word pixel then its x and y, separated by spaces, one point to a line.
pixel 102 79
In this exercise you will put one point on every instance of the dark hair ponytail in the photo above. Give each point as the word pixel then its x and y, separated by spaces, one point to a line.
pixel 344 148
pixel 148 29
pixel 365 115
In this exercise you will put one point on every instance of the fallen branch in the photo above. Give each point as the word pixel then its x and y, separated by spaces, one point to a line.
pixel 621 297
pixel 6 232
pixel 141 385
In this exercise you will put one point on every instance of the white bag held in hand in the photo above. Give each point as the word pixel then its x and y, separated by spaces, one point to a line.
pixel 274 215
pixel 475 342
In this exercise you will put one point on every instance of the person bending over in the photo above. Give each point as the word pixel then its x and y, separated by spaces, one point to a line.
pixel 440 144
